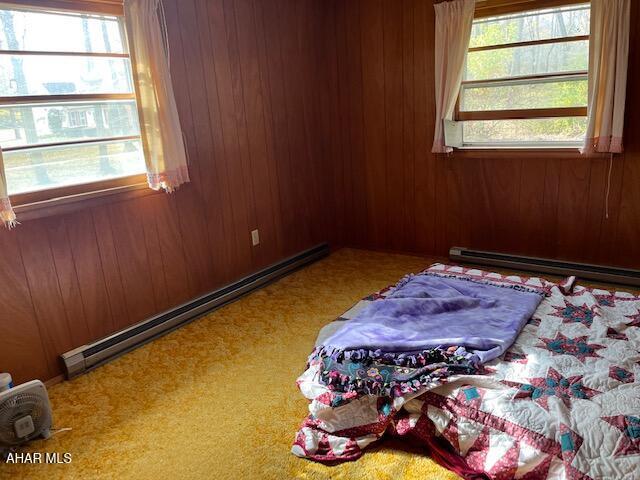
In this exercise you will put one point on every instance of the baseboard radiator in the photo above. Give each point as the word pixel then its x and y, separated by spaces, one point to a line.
pixel 585 271
pixel 88 357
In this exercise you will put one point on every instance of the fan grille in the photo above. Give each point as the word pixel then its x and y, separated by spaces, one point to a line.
pixel 18 406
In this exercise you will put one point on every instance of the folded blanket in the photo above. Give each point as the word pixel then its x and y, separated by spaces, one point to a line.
pixel 344 418
pixel 429 326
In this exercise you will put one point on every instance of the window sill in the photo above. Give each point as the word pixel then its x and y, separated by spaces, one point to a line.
pixel 493 148
pixel 66 200
pixel 568 153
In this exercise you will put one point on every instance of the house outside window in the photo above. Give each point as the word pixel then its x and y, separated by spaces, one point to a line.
pixel 57 93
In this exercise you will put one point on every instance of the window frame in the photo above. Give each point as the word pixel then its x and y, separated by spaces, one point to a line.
pixel 494 8
pixel 64 199
pixel 97 7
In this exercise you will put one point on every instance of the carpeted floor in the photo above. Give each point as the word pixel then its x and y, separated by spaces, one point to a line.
pixel 217 399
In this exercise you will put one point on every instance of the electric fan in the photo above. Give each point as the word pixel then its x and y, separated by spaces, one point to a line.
pixel 25 414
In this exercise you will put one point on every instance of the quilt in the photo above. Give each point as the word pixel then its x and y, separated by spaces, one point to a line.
pixel 562 403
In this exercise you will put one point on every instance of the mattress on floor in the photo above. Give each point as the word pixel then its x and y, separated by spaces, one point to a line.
pixel 562 403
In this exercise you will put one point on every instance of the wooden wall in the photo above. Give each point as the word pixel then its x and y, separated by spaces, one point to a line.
pixel 398 196
pixel 312 121
pixel 244 73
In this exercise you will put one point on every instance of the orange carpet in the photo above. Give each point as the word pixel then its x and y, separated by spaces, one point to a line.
pixel 217 399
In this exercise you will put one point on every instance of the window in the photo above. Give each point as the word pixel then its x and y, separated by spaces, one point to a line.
pixel 68 113
pixel 78 119
pixel 525 80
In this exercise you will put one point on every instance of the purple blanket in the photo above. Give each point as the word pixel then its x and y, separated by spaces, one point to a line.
pixel 428 311
pixel 430 326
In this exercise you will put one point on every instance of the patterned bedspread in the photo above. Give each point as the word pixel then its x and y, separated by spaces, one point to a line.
pixel 562 403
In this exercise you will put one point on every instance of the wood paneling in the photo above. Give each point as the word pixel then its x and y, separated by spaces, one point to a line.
pixel 399 196
pixel 245 76
pixel 309 120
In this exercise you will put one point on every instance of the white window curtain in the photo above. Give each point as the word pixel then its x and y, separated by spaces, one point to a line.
pixel 453 31
pixel 159 123
pixel 608 63
pixel 6 211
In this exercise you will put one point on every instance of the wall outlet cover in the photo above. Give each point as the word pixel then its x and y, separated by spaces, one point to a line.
pixel 255 237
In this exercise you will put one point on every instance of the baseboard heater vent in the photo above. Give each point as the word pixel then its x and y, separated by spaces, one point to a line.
pixel 586 271
pixel 90 356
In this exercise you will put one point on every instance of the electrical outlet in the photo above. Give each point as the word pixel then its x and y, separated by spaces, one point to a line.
pixel 255 237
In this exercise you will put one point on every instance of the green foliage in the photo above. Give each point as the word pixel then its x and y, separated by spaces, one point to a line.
pixel 55 118
pixel 522 61
pixel 567 93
